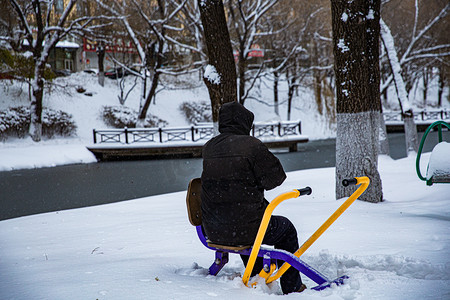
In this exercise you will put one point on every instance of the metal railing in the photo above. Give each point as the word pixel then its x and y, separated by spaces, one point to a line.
pixel 193 133
pixel 424 115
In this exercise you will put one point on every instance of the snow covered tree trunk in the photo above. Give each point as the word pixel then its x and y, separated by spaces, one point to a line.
pixel 40 58
pixel 220 74
pixel 35 129
pixel 356 53
pixel 411 138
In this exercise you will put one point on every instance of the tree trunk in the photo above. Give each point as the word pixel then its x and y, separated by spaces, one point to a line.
pixel 40 59
pixel 275 92
pixel 242 67
pixel 35 130
pixel 441 85
pixel 330 103
pixel 317 81
pixel 356 33
pixel 290 96
pixel 411 137
pixel 425 77
pixel 220 55
pixel 383 139
pixel 318 91
pixel 292 83
pixel 101 63
pixel 148 100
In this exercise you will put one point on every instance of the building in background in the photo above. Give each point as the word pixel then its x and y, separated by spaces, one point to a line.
pixel 118 49
pixel 64 57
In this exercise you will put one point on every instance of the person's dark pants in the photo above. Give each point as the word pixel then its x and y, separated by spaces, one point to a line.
pixel 280 233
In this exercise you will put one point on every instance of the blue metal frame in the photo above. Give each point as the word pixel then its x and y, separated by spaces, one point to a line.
pixel 269 256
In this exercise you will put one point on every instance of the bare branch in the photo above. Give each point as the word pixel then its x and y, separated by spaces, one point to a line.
pixel 414 40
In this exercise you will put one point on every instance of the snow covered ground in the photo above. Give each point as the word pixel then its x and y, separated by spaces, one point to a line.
pixel 147 249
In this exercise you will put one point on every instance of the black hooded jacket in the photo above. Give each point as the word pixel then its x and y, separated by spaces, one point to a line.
pixel 237 168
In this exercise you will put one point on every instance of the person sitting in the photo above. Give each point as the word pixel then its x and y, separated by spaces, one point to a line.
pixel 237 168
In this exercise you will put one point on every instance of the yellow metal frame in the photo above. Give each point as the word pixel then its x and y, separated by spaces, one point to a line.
pixel 363 181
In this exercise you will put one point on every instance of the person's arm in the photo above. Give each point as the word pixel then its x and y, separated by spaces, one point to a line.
pixel 267 168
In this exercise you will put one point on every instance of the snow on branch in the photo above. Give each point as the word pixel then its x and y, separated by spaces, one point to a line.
pixel 410 55
pixel 388 42
pixel 427 55
pixel 23 19
pixel 417 37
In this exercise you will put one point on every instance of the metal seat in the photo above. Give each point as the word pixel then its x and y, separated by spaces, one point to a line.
pixel 432 178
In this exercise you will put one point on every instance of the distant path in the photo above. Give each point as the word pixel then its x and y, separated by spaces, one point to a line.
pixel 26 192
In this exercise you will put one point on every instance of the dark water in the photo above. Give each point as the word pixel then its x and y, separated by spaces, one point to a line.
pixel 26 192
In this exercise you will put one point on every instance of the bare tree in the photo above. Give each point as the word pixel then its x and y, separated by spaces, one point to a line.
pixel 191 37
pixel 420 50
pixel 417 45
pixel 245 17
pixel 299 47
pixel 356 31
pixel 146 25
pixel 220 75
pixel 40 28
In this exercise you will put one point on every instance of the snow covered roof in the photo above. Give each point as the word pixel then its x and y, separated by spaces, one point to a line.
pixel 66 44
pixel 60 44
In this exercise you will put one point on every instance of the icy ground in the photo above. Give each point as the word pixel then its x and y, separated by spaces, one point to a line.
pixel 147 249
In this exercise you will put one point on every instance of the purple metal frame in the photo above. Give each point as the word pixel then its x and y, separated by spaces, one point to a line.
pixel 269 256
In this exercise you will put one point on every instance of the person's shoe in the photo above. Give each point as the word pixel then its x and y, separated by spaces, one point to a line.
pixel 302 288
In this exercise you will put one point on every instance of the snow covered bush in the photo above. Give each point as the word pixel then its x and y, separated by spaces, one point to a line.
pixel 197 112
pixel 57 123
pixel 14 122
pixel 122 116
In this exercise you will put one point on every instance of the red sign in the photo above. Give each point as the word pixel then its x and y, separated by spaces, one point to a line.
pixel 255 51
pixel 118 45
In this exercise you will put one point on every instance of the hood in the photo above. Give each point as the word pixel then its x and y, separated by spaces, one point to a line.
pixel 235 118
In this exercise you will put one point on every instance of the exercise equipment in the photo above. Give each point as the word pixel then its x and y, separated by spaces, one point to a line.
pixel 270 255
pixel 439 159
